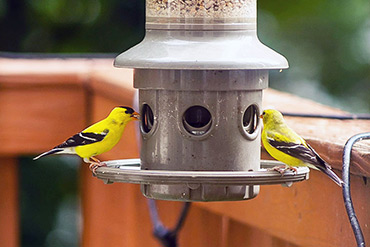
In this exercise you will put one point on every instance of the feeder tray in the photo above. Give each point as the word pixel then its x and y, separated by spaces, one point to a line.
pixel 129 171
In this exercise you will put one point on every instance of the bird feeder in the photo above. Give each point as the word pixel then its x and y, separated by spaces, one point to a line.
pixel 200 71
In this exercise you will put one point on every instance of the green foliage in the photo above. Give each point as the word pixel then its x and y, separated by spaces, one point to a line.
pixel 49 202
pixel 327 44
pixel 71 25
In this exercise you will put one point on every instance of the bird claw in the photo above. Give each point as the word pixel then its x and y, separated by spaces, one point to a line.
pixel 282 169
pixel 293 169
pixel 95 166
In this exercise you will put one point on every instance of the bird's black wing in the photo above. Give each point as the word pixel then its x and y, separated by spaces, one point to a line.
pixel 320 160
pixel 308 155
pixel 297 150
pixel 83 138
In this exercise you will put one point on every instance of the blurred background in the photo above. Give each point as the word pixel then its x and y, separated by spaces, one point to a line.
pixel 327 44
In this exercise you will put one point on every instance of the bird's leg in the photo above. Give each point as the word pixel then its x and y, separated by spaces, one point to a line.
pixel 94 164
pixel 97 165
pixel 95 159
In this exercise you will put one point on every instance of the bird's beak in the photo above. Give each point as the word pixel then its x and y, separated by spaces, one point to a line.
pixel 261 116
pixel 135 116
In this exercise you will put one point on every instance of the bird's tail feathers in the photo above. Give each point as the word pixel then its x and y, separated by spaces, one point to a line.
pixel 329 172
pixel 53 151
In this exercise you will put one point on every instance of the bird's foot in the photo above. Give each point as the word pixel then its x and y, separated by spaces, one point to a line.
pixel 282 169
pixel 95 165
pixel 293 169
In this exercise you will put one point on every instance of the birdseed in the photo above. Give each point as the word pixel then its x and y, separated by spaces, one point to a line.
pixel 201 8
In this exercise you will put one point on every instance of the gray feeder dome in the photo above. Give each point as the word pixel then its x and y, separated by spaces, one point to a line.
pixel 200 71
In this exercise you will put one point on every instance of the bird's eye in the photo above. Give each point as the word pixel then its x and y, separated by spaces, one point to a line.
pixel 263 113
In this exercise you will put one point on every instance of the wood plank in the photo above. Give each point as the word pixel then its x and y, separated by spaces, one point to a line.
pixel 36 70
pixel 43 102
pixel 202 228
pixel 241 234
pixel 291 103
pixel 114 84
pixel 310 213
pixel 113 210
pixel 33 120
pixel 9 213
pixel 114 215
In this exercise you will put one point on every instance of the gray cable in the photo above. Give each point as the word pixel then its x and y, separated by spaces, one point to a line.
pixel 346 187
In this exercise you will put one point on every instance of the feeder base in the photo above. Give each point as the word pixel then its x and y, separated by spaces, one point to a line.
pixel 198 185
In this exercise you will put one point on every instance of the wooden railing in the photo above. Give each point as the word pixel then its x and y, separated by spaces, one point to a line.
pixel 44 101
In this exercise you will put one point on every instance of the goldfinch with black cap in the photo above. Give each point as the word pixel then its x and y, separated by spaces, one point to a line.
pixel 98 138
pixel 285 145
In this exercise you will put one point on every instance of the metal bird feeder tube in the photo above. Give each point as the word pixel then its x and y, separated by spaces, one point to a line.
pixel 200 71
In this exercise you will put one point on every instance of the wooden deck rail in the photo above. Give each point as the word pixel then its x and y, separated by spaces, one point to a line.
pixel 44 101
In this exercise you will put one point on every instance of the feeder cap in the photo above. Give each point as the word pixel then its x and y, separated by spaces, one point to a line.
pixel 201 50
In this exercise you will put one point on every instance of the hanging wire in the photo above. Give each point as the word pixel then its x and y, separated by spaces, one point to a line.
pixel 168 237
pixel 363 116
pixel 346 187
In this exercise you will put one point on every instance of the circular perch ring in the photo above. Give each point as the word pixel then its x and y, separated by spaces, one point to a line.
pixel 128 171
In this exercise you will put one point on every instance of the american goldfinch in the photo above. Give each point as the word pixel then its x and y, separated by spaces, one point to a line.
pixel 285 145
pixel 98 138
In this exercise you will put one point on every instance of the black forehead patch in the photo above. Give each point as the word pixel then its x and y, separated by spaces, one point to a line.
pixel 129 110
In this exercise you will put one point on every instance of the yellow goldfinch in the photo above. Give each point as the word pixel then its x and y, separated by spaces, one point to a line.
pixel 98 138
pixel 285 145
